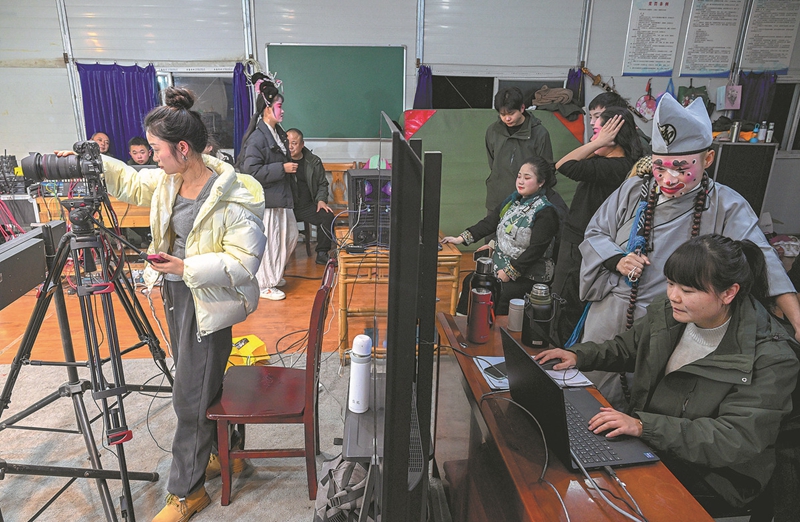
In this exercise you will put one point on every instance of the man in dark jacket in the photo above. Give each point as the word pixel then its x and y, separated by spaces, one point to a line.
pixel 514 137
pixel 310 193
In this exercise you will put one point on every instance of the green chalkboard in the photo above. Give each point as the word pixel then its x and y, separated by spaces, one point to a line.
pixel 338 91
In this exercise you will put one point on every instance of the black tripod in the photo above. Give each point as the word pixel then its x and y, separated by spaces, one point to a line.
pixel 88 249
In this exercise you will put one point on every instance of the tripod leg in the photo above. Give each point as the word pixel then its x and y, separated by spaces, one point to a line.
pixel 94 456
pixel 117 432
pixel 50 286
pixel 127 296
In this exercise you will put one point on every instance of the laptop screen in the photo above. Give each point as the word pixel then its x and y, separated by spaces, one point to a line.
pixel 531 387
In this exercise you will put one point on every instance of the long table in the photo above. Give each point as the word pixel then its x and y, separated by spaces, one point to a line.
pixel 127 214
pixel 491 454
pixel 372 268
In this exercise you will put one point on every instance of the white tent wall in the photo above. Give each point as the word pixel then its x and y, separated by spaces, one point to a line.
pixel 36 106
pixel 36 110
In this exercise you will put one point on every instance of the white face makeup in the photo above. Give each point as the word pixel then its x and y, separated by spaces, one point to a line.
pixel 678 175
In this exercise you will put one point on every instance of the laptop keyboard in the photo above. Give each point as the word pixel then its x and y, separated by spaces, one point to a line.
pixel 586 445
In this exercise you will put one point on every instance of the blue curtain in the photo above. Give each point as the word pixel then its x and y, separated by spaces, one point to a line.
pixel 758 91
pixel 575 84
pixel 241 107
pixel 423 99
pixel 116 98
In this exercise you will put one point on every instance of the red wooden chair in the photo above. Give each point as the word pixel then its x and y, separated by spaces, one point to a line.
pixel 275 395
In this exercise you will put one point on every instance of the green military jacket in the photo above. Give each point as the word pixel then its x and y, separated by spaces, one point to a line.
pixel 506 152
pixel 721 413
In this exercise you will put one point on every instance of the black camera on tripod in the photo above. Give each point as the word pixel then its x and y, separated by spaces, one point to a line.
pixel 87 163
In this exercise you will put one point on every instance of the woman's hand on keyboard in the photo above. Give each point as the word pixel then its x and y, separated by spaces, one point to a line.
pixel 615 423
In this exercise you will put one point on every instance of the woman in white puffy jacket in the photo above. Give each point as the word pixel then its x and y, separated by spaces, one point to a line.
pixel 208 240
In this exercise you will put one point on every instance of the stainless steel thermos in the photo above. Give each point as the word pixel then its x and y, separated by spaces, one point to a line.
pixel 480 317
pixel 538 315
pixel 484 278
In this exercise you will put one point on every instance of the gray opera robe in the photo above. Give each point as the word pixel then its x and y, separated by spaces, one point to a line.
pixel 726 213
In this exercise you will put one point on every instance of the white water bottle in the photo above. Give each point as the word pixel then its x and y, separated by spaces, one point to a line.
pixel 360 367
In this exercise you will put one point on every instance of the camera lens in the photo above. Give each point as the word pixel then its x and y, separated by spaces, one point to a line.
pixel 40 167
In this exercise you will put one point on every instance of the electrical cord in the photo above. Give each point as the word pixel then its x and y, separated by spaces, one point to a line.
pixel 594 485
pixel 492 396
pixel 624 487
pixel 597 488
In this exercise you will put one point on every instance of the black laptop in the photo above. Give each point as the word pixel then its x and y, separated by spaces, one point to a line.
pixel 564 415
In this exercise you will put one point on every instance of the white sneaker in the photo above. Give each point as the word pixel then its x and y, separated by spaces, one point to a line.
pixel 281 283
pixel 273 294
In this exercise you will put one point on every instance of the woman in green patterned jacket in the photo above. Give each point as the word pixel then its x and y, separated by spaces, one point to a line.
pixel 526 224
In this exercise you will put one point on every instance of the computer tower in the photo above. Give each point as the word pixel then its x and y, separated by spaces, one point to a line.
pixel 744 167
pixel 369 196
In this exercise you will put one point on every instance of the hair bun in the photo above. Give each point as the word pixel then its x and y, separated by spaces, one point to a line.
pixel 179 98
pixel 268 90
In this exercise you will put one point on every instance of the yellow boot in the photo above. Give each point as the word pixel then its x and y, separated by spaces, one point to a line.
pixel 214 467
pixel 178 510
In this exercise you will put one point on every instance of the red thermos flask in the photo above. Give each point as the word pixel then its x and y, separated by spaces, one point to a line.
pixel 480 318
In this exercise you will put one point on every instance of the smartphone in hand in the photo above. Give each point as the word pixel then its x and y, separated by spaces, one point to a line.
pixel 155 258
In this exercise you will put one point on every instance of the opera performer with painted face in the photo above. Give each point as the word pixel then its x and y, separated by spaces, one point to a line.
pixel 633 233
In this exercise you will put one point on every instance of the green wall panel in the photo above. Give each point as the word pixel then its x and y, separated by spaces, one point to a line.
pixel 459 134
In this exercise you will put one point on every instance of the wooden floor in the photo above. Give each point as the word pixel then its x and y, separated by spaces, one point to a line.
pixel 278 323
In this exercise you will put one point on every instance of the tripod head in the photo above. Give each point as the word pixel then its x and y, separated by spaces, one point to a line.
pixel 80 214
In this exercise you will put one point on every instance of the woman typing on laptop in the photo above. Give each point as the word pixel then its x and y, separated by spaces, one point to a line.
pixel 714 372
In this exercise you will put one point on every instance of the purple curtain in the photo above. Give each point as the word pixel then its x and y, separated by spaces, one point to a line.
pixel 241 107
pixel 116 98
pixel 423 99
pixel 758 90
pixel 575 84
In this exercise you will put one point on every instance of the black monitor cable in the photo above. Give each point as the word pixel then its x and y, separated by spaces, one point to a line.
pixel 596 487
pixel 493 396
pixel 624 487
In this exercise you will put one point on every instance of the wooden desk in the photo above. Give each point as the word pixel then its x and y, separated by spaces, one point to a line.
pixel 372 267
pixel 127 214
pixel 491 454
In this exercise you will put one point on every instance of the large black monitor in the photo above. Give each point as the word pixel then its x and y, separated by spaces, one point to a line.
pixel 411 328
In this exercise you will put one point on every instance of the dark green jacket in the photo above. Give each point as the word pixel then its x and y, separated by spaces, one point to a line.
pixel 315 176
pixel 507 152
pixel 721 413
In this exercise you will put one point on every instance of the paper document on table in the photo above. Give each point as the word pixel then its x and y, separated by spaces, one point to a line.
pixel 570 378
pixel 494 372
pixel 496 378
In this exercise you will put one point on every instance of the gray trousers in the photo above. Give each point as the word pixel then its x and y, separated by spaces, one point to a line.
pixel 199 369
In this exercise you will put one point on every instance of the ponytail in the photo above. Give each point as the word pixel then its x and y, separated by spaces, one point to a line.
pixel 758 268
pixel 714 263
